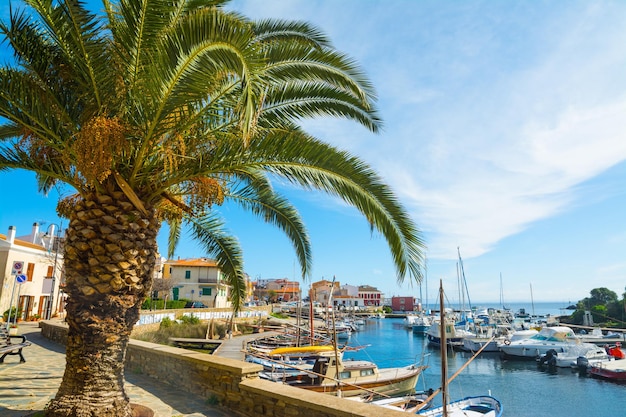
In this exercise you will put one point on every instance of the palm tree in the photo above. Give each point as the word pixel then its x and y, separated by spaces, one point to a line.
pixel 158 112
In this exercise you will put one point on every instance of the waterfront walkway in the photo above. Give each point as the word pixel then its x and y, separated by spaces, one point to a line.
pixel 26 388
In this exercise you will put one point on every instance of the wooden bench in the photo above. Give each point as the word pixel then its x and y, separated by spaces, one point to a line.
pixel 8 347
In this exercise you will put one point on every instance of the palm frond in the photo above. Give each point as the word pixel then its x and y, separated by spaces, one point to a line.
pixel 259 198
pixel 79 37
pixel 293 101
pixel 225 249
pixel 313 164
pixel 175 227
pixel 271 31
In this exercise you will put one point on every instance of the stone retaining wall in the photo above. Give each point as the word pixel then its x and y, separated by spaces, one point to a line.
pixel 233 384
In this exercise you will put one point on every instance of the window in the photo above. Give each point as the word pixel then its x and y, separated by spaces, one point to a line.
pixel 206 291
pixel 50 272
pixel 187 274
pixel 367 372
pixel 29 272
pixel 344 375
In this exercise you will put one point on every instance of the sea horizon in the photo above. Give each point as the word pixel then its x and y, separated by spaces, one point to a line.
pixel 553 308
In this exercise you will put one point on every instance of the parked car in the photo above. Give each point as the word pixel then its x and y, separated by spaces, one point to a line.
pixel 195 304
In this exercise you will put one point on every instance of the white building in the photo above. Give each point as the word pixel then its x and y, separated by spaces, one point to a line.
pixel 32 268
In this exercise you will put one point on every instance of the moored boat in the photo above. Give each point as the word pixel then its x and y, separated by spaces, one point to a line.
pixel 574 356
pixel 558 338
pixel 598 337
pixel 331 374
pixel 405 403
pixel 454 335
pixel 612 370
pixel 421 325
pixel 479 406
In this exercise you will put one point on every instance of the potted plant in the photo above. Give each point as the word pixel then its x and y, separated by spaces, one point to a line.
pixel 13 329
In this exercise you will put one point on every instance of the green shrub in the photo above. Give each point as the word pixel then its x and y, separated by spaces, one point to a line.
pixel 175 304
pixel 190 319
pixel 13 311
pixel 220 329
pixel 166 322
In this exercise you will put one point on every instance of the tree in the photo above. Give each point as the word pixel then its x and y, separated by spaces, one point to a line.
pixel 157 112
pixel 602 296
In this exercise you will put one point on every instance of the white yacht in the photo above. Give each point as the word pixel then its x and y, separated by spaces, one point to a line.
pixel 559 338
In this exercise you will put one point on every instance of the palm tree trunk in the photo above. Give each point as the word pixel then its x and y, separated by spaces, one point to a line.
pixel 110 255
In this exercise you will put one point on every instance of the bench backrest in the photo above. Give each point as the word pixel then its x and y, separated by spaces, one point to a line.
pixel 4 336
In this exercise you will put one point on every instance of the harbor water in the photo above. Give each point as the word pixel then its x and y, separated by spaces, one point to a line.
pixel 524 389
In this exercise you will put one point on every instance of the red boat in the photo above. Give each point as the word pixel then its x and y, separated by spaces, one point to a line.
pixel 615 370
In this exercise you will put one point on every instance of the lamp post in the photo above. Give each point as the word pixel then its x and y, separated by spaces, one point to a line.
pixel 54 243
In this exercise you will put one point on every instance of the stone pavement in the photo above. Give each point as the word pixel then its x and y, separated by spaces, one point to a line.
pixel 26 388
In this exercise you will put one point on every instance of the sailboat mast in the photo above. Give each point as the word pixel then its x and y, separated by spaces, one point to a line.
pixel 444 351
pixel 532 300
pixel 426 279
pixel 469 302
pixel 330 297
pixel 501 292
pixel 311 318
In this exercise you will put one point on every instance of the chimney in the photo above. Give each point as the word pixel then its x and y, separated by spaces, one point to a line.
pixel 11 235
pixel 35 233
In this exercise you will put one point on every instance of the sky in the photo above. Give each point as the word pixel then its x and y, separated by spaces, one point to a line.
pixel 504 139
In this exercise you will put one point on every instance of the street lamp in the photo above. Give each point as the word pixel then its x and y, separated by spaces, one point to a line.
pixel 54 243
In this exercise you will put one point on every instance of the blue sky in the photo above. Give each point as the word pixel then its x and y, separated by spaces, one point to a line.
pixel 504 137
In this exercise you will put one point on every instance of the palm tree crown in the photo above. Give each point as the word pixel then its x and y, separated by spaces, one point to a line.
pixel 184 105
pixel 159 111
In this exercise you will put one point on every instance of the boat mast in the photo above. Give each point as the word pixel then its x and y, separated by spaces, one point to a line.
pixel 336 349
pixel 501 293
pixel 469 302
pixel 311 318
pixel 426 279
pixel 444 351
pixel 532 300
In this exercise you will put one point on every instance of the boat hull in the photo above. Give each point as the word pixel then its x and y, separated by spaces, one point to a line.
pixel 613 370
pixel 475 344
pixel 480 406
pixel 402 382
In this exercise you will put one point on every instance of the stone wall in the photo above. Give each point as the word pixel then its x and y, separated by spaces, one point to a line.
pixel 231 383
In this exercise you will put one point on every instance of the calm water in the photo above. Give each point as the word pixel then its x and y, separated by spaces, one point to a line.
pixel 523 389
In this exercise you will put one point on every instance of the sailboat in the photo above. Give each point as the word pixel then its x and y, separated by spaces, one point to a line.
pixel 477 406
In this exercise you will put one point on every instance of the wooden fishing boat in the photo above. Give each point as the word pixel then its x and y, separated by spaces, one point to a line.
pixel 405 403
pixel 333 375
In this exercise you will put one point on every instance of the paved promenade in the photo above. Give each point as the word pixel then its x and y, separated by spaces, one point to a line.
pixel 26 388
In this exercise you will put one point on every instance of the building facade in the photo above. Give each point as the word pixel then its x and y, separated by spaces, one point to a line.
pixel 371 296
pixel 401 304
pixel 198 280
pixel 277 290
pixel 32 273
pixel 321 290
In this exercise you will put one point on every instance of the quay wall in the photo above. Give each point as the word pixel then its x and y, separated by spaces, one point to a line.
pixel 233 384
